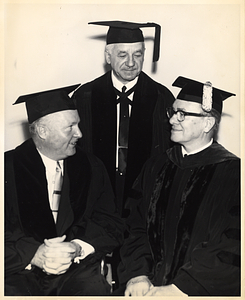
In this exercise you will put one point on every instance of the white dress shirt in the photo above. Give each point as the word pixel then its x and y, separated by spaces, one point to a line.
pixel 50 166
pixel 184 152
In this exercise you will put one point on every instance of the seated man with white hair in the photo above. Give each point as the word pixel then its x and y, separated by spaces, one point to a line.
pixel 60 216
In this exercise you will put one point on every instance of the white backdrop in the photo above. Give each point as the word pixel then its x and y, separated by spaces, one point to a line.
pixel 51 45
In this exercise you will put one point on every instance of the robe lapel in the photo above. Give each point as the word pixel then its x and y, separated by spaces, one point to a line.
pixel 31 184
pixel 76 183
pixel 104 123
pixel 140 127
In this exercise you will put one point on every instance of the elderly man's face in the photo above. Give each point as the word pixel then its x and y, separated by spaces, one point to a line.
pixel 126 60
pixel 191 132
pixel 62 134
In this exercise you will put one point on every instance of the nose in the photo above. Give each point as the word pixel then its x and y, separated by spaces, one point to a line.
pixel 173 119
pixel 78 133
pixel 130 61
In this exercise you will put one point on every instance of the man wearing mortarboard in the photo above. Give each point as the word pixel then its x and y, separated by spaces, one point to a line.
pixel 124 127
pixel 60 215
pixel 184 222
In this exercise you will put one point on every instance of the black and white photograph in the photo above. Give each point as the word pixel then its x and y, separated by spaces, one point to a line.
pixel 123 143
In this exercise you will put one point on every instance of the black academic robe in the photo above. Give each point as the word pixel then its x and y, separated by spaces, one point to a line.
pixel 185 223
pixel 149 130
pixel 86 212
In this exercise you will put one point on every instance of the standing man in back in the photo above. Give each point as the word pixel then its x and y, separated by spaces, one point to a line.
pixel 123 112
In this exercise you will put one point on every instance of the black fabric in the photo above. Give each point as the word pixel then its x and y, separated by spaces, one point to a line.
pixel 215 154
pixel 185 210
pixel 185 227
pixel 120 181
pixel 79 280
pixel 44 103
pixel 156 218
pixel 129 32
pixel 87 210
pixel 193 91
pixel 149 129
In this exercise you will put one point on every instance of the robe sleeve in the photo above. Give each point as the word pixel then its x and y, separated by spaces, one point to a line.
pixel 136 255
pixel 18 248
pixel 104 226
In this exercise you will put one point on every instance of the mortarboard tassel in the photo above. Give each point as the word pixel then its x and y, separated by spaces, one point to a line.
pixel 207 98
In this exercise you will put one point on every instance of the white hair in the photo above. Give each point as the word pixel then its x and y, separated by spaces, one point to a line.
pixel 109 48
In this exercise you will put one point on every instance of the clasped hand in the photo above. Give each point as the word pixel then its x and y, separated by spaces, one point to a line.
pixel 55 256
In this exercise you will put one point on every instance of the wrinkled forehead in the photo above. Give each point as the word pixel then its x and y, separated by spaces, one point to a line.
pixel 187 105
pixel 129 47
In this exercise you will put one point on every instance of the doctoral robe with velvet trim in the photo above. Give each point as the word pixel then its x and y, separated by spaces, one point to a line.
pixel 149 129
pixel 185 223
pixel 86 212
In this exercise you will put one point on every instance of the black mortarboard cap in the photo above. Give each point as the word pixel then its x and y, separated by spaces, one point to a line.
pixel 44 103
pixel 203 93
pixel 129 32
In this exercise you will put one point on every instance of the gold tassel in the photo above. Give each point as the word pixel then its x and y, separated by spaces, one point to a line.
pixel 207 96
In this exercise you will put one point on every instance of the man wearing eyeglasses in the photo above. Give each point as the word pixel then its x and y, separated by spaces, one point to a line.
pixel 184 225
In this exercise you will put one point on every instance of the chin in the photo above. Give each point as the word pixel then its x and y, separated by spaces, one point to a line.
pixel 130 76
pixel 71 152
pixel 174 138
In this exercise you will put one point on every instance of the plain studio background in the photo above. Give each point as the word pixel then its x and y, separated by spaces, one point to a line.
pixel 51 45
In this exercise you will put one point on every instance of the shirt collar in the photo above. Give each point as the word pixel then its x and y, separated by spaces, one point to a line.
pixel 184 152
pixel 50 164
pixel 118 85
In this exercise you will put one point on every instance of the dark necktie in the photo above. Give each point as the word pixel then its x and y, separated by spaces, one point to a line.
pixel 57 191
pixel 123 127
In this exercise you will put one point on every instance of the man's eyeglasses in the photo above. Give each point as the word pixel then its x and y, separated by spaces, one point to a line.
pixel 181 114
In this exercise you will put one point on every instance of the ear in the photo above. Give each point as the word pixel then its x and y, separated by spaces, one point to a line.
pixel 209 124
pixel 42 131
pixel 108 57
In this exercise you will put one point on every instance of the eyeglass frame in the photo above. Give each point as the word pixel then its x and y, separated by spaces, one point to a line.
pixel 179 112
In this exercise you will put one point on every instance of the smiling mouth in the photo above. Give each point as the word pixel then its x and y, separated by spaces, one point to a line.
pixel 73 143
pixel 174 129
pixel 129 70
